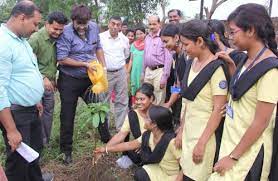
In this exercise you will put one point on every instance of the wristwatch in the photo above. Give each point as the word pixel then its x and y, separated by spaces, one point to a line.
pixel 233 157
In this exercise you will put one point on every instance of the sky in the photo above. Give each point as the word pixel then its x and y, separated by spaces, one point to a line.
pixel 190 8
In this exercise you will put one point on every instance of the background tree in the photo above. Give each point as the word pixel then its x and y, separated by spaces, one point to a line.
pixel 163 4
pixel 135 11
pixel 215 4
pixel 5 9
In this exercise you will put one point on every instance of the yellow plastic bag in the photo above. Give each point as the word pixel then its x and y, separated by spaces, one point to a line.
pixel 98 78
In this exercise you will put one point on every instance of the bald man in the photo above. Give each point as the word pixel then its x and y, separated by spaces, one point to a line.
pixel 157 61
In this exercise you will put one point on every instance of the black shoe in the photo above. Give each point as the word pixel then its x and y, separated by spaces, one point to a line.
pixel 67 159
pixel 48 176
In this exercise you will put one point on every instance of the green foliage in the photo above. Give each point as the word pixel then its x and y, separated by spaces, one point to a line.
pixel 5 9
pixel 133 10
pixel 93 114
pixel 65 6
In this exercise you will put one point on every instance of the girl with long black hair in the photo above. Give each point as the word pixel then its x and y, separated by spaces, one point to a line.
pixel 205 88
pixel 247 141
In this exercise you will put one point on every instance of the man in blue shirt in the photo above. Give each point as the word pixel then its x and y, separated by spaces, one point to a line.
pixel 77 46
pixel 21 88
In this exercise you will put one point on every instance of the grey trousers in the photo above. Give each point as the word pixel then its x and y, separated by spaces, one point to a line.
pixel 47 116
pixel 117 82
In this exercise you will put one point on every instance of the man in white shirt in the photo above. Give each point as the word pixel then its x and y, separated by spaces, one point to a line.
pixel 116 50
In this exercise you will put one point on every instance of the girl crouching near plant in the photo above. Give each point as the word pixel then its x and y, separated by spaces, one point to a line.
pixel 157 150
pixel 134 124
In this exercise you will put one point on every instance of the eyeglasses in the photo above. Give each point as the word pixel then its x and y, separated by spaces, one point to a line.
pixel 232 33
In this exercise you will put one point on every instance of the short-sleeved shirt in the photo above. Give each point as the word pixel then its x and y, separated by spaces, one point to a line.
pixel 197 115
pixel 70 45
pixel 45 50
pixel 170 161
pixel 20 80
pixel 244 109
pixel 126 125
pixel 116 50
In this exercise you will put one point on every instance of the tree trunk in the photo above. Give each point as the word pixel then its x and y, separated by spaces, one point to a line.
pixel 270 7
pixel 163 12
pixel 97 7
pixel 215 4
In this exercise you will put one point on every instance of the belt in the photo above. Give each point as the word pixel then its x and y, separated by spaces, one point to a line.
pixel 15 107
pixel 156 67
pixel 113 71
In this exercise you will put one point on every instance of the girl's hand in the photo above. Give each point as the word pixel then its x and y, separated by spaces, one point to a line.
pixel 223 55
pixel 99 150
pixel 180 176
pixel 223 110
pixel 198 153
pixel 224 165
pixel 98 153
pixel 178 140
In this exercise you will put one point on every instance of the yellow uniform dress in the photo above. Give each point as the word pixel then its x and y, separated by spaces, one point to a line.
pixel 265 90
pixel 126 126
pixel 197 115
pixel 168 168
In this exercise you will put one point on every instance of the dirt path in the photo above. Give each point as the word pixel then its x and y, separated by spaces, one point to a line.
pixel 82 170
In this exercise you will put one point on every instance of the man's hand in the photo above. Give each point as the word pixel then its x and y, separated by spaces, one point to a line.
pixel 162 86
pixel 14 138
pixel 142 79
pixel 40 108
pixel 2 175
pixel 48 84
pixel 90 68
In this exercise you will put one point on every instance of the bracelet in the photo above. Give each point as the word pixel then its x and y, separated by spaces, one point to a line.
pixel 233 158
pixel 106 151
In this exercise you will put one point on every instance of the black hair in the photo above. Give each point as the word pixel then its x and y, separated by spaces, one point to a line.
pixel 58 17
pixel 118 18
pixel 194 29
pixel 255 16
pixel 170 30
pixel 218 27
pixel 173 10
pixel 162 117
pixel 130 30
pixel 125 23
pixel 140 29
pixel 81 13
pixel 146 89
pixel 24 7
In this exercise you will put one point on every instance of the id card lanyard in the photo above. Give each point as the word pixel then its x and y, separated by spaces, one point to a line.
pixel 229 108
pixel 259 54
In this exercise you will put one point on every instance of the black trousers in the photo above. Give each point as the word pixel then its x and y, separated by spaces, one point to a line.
pixel 70 89
pixel 28 124
pixel 141 175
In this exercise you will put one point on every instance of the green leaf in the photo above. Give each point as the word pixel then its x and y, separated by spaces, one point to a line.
pixel 104 108
pixel 83 125
pixel 102 116
pixel 95 120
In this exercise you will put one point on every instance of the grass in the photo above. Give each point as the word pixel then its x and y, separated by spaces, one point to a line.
pixel 82 139
pixel 83 143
